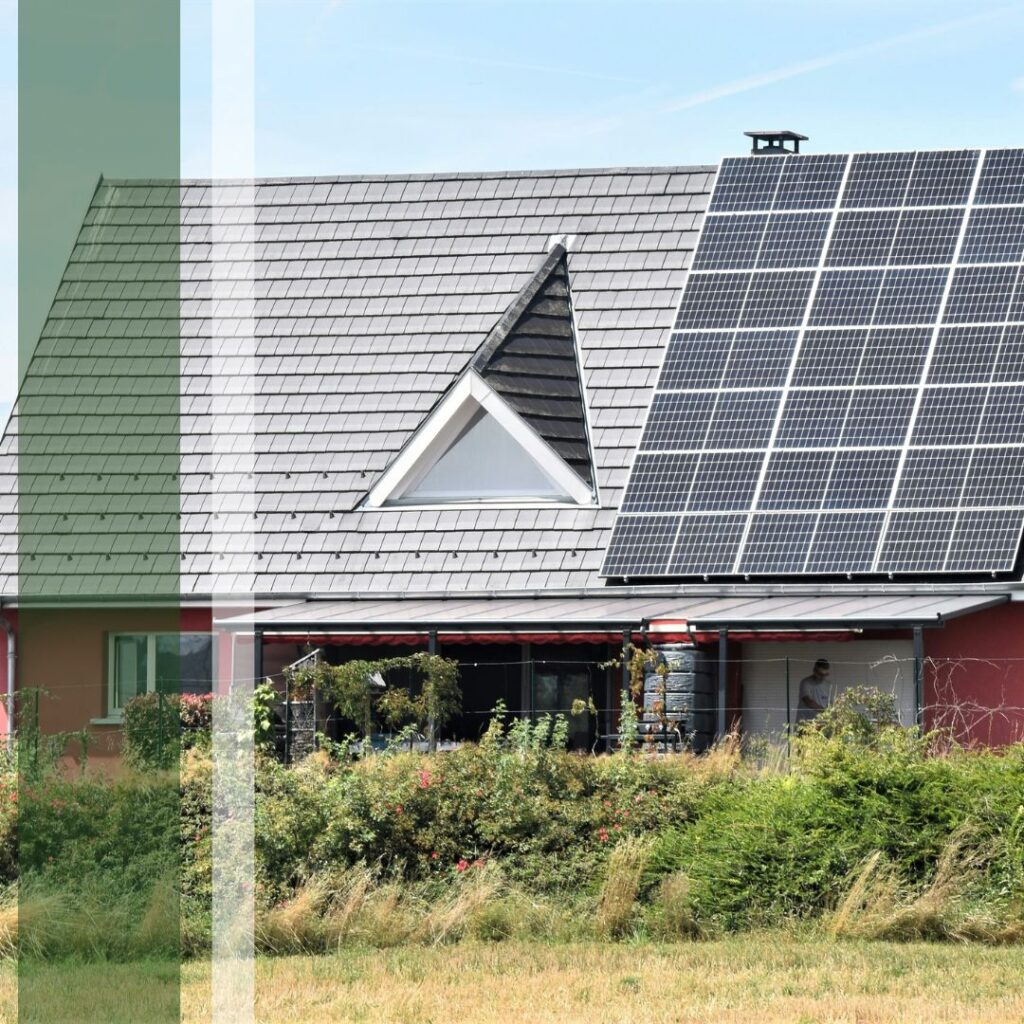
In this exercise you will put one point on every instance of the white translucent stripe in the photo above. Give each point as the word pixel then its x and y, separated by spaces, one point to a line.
pixel 233 450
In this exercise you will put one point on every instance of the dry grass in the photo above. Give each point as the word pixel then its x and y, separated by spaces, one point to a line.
pixel 617 910
pixel 773 978
pixel 878 905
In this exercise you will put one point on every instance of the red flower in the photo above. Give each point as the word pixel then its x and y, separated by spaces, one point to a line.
pixel 424 778
pixel 478 863
pixel 462 865
pixel 434 855
pixel 602 834
pixel 398 808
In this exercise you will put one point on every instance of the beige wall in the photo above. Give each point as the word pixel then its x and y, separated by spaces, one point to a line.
pixel 887 664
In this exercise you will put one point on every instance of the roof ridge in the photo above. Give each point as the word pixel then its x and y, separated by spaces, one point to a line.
pixel 332 179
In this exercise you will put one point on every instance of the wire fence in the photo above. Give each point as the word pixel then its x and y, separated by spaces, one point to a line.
pixel 971 699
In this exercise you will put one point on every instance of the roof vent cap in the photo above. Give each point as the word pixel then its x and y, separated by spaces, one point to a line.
pixel 773 143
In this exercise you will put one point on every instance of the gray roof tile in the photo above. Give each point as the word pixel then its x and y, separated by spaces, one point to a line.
pixel 371 295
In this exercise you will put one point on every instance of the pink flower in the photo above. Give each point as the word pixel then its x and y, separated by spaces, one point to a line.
pixel 462 865
pixel 434 855
pixel 398 808
pixel 424 778
pixel 478 863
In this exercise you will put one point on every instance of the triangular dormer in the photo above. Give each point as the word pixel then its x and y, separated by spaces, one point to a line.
pixel 530 358
pixel 513 427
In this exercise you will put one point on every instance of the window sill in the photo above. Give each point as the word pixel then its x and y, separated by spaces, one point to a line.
pixel 118 720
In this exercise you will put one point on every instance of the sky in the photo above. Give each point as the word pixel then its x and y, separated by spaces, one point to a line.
pixel 356 86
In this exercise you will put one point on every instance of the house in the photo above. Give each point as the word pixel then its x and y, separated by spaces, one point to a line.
pixel 403 412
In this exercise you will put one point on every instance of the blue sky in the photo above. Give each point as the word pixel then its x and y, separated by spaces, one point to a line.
pixel 348 86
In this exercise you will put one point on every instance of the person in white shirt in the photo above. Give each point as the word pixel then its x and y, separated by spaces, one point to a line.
pixel 815 691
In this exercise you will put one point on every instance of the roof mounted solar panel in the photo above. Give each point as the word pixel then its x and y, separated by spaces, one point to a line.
pixel 843 389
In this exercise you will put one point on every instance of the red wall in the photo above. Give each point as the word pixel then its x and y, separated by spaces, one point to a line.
pixel 974 675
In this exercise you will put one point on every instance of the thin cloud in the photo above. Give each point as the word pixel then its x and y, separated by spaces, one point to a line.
pixel 495 62
pixel 806 67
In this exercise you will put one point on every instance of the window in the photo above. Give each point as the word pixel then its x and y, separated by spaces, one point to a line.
pixel 141 663
pixel 485 462
pixel 474 448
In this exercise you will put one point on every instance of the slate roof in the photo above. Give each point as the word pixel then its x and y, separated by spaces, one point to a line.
pixel 372 295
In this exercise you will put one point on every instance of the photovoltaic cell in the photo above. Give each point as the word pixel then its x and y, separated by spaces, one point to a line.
pixel 878 179
pixel 850 365
pixel 844 542
pixel 933 477
pixel 777 299
pixel 1002 421
pixel 910 296
pixel 640 545
pixel 796 480
pixel 706 545
pixel 810 184
pixel 829 357
pixel 793 240
pixel 893 355
pixel 678 421
pixel 778 543
pixel 965 355
pixel 744 184
pixel 846 297
pixel 759 359
pixel 660 483
pixel 730 243
pixel 926 236
pixel 712 300
pixel 812 418
pixel 863 238
pixel 918 538
pixel 995 532
pixel 995 234
pixel 980 294
pixel 941 179
pixel 877 418
pixel 1002 177
pixel 861 479
pixel 695 360
pixel 724 481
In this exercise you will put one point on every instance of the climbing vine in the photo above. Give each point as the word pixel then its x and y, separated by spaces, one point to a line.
pixel 357 689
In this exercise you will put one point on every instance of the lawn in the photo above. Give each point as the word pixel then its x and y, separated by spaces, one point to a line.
pixel 771 978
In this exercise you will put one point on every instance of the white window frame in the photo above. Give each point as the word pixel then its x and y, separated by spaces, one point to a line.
pixel 467 397
pixel 116 714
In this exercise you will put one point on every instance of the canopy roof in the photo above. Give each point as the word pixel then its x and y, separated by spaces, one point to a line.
pixel 609 613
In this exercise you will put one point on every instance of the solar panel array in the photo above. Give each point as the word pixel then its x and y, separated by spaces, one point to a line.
pixel 843 390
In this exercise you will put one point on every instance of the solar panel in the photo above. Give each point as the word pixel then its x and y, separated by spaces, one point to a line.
pixel 843 388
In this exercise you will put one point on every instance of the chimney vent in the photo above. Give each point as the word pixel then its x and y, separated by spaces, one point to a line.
pixel 774 143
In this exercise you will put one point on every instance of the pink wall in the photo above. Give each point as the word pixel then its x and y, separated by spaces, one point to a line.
pixel 11 616
pixel 974 675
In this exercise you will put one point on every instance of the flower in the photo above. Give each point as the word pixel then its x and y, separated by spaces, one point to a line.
pixel 462 865
pixel 424 778
pixel 434 855
pixel 398 808
pixel 602 834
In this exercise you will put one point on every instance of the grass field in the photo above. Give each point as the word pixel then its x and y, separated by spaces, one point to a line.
pixel 768 978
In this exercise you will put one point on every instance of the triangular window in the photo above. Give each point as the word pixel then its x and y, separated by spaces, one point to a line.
pixel 483 464
pixel 474 448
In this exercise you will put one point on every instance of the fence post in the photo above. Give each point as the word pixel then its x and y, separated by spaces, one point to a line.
pixel 287 719
pixel 431 722
pixel 627 639
pixel 723 679
pixel 789 709
pixel 919 676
